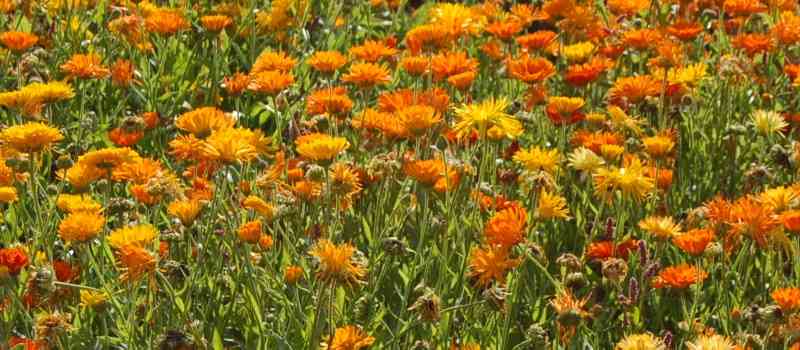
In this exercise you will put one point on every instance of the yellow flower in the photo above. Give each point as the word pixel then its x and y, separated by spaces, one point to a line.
pixel 81 226
pixel 485 115
pixel 711 342
pixel 611 152
pixel 138 235
pixel 320 146
pixel 108 158
pixel 30 137
pixel 645 341
pixel 630 180
pixel 781 198
pixel 186 210
pixel 578 52
pixel 71 203
pixel 583 159
pixel 689 75
pixel 662 227
pixel 8 194
pixel 260 206
pixel 457 19
pixel 659 145
pixel 92 299
pixel 418 119
pixel 621 120
pixel 337 263
pixel 552 206
pixel 202 121
pixel 536 159
pixel 232 145
pixel 768 122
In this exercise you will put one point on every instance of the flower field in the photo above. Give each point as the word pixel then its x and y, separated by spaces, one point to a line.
pixel 400 174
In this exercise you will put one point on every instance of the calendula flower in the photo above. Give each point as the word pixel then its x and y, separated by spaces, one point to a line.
pixel 320 147
pixel 259 206
pixel 489 264
pixel 233 145
pixel 348 338
pixel 787 298
pixel 81 226
pixel 489 113
pixel 530 70
pixel 641 39
pixel 12 261
pixel 185 210
pixel 662 227
pixel 564 110
pixel 202 121
pixel 659 146
pixel 273 61
pixel 415 65
pixel 448 64
pixel 85 66
pixel 711 342
pixel 684 30
pixel 538 159
pixel 644 341
pixel 8 194
pixel 583 159
pixel 634 89
pixel 551 206
pixel 166 22
pixel 30 137
pixel 754 43
pixel 372 51
pixel 585 73
pixel 629 8
pixel 366 75
pixel 679 277
pixel 18 41
pixel 630 180
pixel 329 101
pixel 270 82
pixel 138 235
pixel 292 274
pixel 507 227
pixel 251 231
pixel 768 122
pixel 236 84
pixel 338 263
pixel 578 52
pixel 216 23
pixel 327 61
pixel 694 241
pixel 108 158
pixel 457 19
pixel 71 203
pixel 122 73
pixel 537 40
pixel 418 119
pixel 92 299
pixel 135 261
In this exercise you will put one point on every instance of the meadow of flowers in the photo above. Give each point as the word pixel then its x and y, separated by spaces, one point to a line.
pixel 392 174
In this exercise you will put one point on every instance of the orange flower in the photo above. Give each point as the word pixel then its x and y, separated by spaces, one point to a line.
pixel 292 274
pixel 372 51
pixel 506 228
pixel 445 65
pixel 86 66
pixel 18 41
pixel 493 49
pixel 583 74
pixel 236 83
pixel 338 263
pixel 603 250
pixel 627 7
pixel 125 138
pixel 695 241
pixel 743 8
pixel 250 232
pixel 679 277
pixel 489 264
pixel 425 171
pixel 787 298
pixel 564 110
pixel 787 30
pixel 753 44
pixel 166 22
pixel 270 82
pixel 136 261
pixel 122 73
pixel 418 119
pixel 504 30
pixel 216 23
pixel 530 69
pixel 684 30
pixel 415 65
pixel 426 35
pixel 332 101
pixel 595 140
pixel 327 61
pixel 791 220
pixel 462 81
pixel 396 100
pixel 633 89
pixel 641 39
pixel 749 217
pixel 272 61
pixel 537 40
pixel 366 75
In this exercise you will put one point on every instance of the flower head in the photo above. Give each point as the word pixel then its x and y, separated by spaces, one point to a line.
pixel 30 137
pixel 338 263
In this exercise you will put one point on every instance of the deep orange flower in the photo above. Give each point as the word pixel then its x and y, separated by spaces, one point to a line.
pixel 753 44
pixel 270 82
pixel 507 227
pixel 125 138
pixel 493 49
pixel 583 74
pixel 694 241
pixel 18 41
pixel 462 81
pixel 539 40
pixel 250 232
pixel 530 69
pixel 489 264
pixel 787 30
pixel 787 298
pixel 88 66
pixel 415 65
pixel 791 220
pixel 743 8
pixel 270 60
pixel 564 110
pixel 627 7
pixel 122 73
pixel 751 218
pixel 166 22
pixel 12 261
pixel 641 39
pixel 445 65
pixel 331 101
pixel 684 30
pixel 595 140
pixel 391 102
pixel 633 89
pixel 679 277
pixel 504 30
pixel 372 51
pixel 426 35
pixel 366 75
pixel 603 250
pixel 216 23
pixel 236 84
pixel 425 171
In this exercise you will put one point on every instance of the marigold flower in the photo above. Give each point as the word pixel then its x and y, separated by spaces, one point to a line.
pixel 18 41
pixel 30 137
pixel 694 241
pixel 348 338
pixel 679 277
pixel 787 298
pixel 12 261
pixel 627 7
pixel 751 218
pixel 644 341
pixel 538 159
pixel 71 203
pixel 659 146
pixel 507 227
pixel 662 227
pixel 489 113
pixel 537 40
pixel 415 65
pixel 578 52
pixel 330 101
pixel 338 263
pixel 202 121
pixel 445 65
pixel 233 145
pixel 791 220
pixel 714 341
pixel 86 66
pixel 583 74
pixel 128 236
pixel 320 147
pixel 504 30
pixel 185 210
pixel 743 8
pixel 396 100
pixel 122 73
pixel 489 264
pixel 530 70
pixel 8 194
pixel 216 23
pixel 272 61
pixel 564 110
pixel 768 122
pixel 81 226
pixel 136 262
pixel 259 206
pixel 292 274
pixel 684 30
pixel 327 61
pixel 754 43
pixel 236 84
pixel 641 39
pixel 270 82
pixel 551 206
pixel 634 89
pixel 426 35
pixel 251 231
pixel 630 180
pixel 366 75
pixel 372 51
pixel 166 22
pixel 418 119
